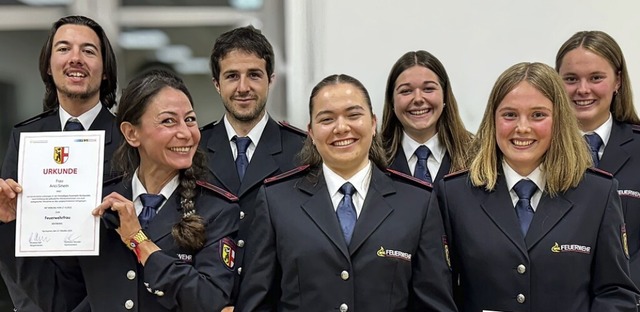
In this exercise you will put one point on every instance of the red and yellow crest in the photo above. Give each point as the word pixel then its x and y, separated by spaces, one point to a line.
pixel 60 154
pixel 228 252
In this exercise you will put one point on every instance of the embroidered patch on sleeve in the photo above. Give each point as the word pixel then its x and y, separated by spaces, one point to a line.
pixel 623 237
pixel 228 252
pixel 445 245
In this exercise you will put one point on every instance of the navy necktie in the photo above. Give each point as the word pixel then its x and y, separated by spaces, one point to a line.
pixel 73 124
pixel 242 161
pixel 150 204
pixel 595 142
pixel 524 189
pixel 347 211
pixel 422 172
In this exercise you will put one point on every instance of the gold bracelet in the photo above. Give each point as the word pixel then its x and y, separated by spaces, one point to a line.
pixel 138 238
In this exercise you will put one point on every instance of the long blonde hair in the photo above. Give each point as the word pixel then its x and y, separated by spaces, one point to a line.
pixel 566 160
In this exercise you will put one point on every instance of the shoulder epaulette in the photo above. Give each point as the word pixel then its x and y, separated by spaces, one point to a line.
pixel 113 180
pixel 37 117
pixel 218 190
pixel 286 174
pixel 635 128
pixel 455 173
pixel 291 127
pixel 601 172
pixel 409 178
pixel 209 125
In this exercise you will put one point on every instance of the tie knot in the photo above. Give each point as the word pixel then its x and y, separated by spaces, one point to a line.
pixel 594 141
pixel 525 189
pixel 151 200
pixel 73 124
pixel 422 152
pixel 242 143
pixel 347 189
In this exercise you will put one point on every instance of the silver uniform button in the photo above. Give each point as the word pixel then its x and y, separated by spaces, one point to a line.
pixel 159 293
pixel 239 270
pixel 240 243
pixel 128 304
pixel 344 307
pixel 344 275
pixel 520 298
pixel 521 269
pixel 131 274
pixel 241 215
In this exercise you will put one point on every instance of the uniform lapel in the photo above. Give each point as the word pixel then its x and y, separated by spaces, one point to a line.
pixel 500 209
pixel 221 162
pixel 262 164
pixel 615 156
pixel 445 166
pixel 548 214
pixel 104 121
pixel 163 222
pixel 374 210
pixel 400 162
pixel 320 210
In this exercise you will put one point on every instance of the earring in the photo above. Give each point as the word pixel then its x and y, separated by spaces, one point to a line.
pixel 444 104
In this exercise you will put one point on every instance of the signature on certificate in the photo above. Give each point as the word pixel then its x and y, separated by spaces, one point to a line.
pixel 71 238
pixel 37 237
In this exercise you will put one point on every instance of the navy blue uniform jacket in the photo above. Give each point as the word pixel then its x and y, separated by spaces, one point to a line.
pixel 572 258
pixel 171 280
pixel 275 153
pixel 299 261
pixel 622 159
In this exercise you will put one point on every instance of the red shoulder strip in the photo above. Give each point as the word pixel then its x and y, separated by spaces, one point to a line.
pixel 456 173
pixel 601 172
pixel 286 174
pixel 291 127
pixel 410 178
pixel 226 194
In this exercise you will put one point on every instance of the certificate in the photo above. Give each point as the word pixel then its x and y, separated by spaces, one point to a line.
pixel 61 177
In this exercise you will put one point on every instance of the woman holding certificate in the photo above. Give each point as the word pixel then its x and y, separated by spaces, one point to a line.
pixel 172 247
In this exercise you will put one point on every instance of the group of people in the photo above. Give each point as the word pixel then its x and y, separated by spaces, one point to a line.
pixel 534 212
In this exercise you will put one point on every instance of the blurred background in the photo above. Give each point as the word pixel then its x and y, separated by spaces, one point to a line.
pixel 475 40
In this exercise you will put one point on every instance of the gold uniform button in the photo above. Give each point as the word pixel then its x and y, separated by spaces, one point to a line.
pixel 128 304
pixel 240 243
pixel 344 275
pixel 131 274
pixel 241 215
pixel 520 298
pixel 521 269
pixel 344 307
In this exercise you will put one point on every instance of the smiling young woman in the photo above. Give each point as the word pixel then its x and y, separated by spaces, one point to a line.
pixel 524 221
pixel 595 75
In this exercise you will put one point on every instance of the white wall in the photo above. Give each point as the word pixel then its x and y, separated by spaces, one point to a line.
pixel 475 40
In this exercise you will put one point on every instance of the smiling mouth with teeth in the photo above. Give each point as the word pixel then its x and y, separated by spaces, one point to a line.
pixel 180 149
pixel 344 142
pixel 76 75
pixel 584 102
pixel 522 142
pixel 420 112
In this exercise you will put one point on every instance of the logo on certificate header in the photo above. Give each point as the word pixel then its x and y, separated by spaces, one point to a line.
pixel 60 154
